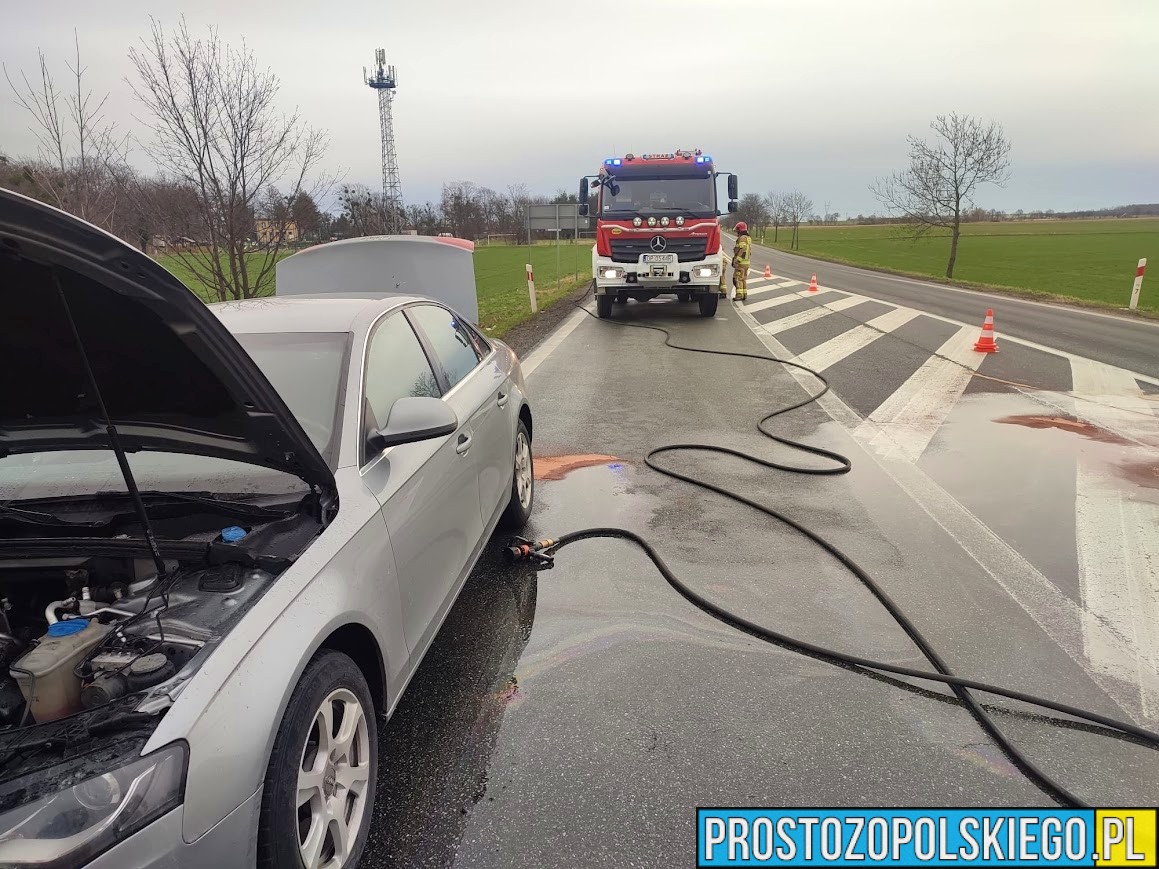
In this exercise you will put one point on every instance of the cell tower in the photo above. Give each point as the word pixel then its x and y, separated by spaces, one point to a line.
pixel 384 82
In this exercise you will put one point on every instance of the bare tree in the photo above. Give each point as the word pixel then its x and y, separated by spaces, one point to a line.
pixel 752 210
pixel 775 205
pixel 942 176
pixel 217 130
pixel 798 207
pixel 80 154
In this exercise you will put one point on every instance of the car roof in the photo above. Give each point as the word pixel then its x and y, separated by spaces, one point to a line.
pixel 302 313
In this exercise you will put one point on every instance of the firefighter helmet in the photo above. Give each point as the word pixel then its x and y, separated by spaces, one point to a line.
pixel 742 226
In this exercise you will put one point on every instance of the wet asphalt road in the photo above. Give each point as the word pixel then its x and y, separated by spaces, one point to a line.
pixel 579 715
pixel 1125 341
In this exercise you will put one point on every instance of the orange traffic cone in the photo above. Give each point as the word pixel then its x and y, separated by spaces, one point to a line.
pixel 768 272
pixel 813 284
pixel 986 342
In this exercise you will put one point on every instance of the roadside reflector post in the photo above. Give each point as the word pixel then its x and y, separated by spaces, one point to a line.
pixel 1138 283
pixel 531 289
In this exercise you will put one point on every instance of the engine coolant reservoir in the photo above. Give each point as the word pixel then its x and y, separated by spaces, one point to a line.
pixel 45 673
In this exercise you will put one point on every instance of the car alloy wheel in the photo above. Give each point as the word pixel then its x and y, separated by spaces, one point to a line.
pixel 332 781
pixel 523 470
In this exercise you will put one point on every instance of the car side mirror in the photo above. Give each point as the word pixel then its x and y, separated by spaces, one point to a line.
pixel 583 197
pixel 732 188
pixel 732 206
pixel 413 419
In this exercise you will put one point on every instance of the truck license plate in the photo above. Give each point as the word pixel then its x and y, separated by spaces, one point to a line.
pixel 658 257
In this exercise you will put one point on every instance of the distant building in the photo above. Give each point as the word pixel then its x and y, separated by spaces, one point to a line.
pixel 267 231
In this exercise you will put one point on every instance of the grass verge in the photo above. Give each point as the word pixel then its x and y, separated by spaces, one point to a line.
pixel 500 279
pixel 1088 262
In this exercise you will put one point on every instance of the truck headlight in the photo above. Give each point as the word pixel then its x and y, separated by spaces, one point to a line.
pixel 664 221
pixel 680 220
pixel 611 274
pixel 651 221
pixel 706 271
pixel 636 221
pixel 84 818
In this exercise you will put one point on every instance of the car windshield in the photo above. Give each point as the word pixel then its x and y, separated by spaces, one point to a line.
pixel 654 195
pixel 306 369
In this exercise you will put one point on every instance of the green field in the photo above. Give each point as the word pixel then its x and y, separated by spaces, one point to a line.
pixel 1090 260
pixel 500 279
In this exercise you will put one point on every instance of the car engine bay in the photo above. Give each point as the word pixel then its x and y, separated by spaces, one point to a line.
pixel 95 648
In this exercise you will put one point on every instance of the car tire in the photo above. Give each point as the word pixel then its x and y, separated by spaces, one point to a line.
pixel 603 307
pixel 522 500
pixel 708 302
pixel 285 827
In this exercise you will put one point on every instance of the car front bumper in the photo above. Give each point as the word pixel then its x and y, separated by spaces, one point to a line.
pixel 229 844
pixel 693 276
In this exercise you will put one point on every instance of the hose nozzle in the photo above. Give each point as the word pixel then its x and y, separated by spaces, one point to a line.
pixel 520 549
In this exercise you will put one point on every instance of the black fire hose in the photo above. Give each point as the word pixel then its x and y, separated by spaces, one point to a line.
pixel 543 551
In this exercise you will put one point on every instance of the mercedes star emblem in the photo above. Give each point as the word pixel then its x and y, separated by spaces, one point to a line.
pixel 658 243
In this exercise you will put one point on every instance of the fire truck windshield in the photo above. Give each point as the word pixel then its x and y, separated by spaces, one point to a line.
pixel 695 197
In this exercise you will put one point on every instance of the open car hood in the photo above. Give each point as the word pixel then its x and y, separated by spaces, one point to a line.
pixel 172 377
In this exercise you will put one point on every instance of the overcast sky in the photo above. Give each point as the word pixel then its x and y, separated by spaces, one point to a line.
pixel 814 94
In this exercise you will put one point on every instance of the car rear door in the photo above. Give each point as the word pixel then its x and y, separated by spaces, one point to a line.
pixel 480 387
pixel 428 490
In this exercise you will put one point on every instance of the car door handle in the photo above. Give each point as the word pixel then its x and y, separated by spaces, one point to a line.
pixel 502 399
pixel 463 445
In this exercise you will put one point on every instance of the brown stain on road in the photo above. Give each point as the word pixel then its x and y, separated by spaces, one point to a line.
pixel 1066 423
pixel 558 467
pixel 1144 474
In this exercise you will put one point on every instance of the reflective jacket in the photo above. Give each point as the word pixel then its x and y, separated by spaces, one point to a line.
pixel 743 250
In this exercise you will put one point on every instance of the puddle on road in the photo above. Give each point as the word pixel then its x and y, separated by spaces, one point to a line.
pixel 558 467
pixel 1066 423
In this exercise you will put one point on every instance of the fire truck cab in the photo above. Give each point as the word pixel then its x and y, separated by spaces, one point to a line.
pixel 656 229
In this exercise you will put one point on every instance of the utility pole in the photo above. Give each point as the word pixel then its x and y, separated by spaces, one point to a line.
pixel 385 82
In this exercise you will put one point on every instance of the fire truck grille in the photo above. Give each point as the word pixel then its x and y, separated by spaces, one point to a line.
pixel 628 250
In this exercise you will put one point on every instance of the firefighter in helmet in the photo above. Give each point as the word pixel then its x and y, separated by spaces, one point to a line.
pixel 741 255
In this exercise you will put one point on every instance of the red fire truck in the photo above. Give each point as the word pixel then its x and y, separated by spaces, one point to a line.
pixel 656 229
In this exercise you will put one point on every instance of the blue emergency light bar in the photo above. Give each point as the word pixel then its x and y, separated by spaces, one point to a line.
pixel 703 159
pixel 612 161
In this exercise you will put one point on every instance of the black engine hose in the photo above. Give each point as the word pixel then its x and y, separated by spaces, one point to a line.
pixel 960 686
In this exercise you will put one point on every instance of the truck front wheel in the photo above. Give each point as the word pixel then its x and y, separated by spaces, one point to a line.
pixel 708 304
pixel 603 307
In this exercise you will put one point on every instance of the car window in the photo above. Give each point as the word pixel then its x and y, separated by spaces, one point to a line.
pixel 306 370
pixel 396 367
pixel 449 339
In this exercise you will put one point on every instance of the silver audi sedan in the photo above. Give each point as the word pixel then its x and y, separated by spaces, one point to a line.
pixel 228 534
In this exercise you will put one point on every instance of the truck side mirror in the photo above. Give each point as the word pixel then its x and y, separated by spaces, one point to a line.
pixel 732 206
pixel 583 197
pixel 732 189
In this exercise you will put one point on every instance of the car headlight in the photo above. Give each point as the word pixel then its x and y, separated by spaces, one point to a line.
pixel 651 221
pixel 81 820
pixel 636 221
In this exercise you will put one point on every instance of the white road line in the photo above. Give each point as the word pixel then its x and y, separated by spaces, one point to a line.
pixel 1118 559
pixel 775 285
pixel 904 424
pixel 803 317
pixel 535 357
pixel 1116 401
pixel 1118 549
pixel 846 344
pixel 765 304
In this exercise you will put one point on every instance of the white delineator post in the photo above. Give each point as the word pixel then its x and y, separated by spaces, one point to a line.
pixel 531 289
pixel 1138 283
